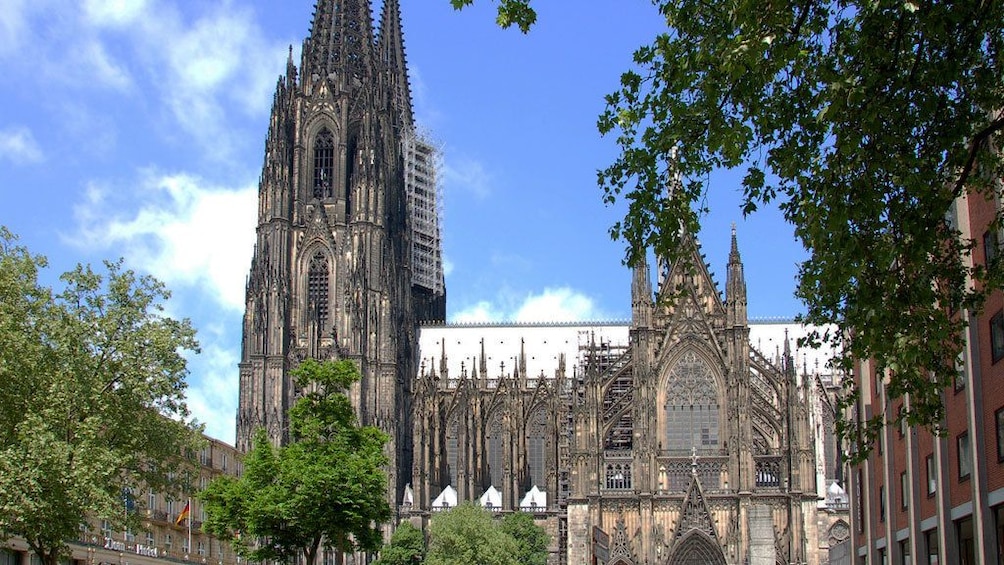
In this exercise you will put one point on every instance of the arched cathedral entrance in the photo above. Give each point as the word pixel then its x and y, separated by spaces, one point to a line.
pixel 695 548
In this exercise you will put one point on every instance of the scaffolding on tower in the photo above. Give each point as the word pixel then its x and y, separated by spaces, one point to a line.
pixel 422 166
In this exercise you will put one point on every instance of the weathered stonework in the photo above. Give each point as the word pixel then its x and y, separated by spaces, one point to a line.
pixel 680 443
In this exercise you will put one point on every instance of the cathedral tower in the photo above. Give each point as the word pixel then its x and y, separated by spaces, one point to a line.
pixel 331 276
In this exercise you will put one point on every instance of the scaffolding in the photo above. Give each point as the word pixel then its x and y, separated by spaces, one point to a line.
pixel 422 164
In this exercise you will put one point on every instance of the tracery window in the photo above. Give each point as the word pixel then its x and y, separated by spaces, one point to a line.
pixel 494 448
pixel 452 450
pixel 324 164
pixel 536 444
pixel 691 407
pixel 618 476
pixel 317 290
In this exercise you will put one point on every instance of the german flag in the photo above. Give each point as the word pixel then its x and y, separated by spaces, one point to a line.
pixel 183 514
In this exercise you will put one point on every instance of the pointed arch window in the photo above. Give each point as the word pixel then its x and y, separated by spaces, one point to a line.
pixel 494 449
pixel 324 164
pixel 691 407
pixel 536 445
pixel 317 290
pixel 452 451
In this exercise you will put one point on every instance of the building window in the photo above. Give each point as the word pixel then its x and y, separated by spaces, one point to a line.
pixel 536 445
pixel 999 420
pixel 150 539
pixel 881 501
pixel 964 456
pixel 932 475
pixel 618 476
pixel 317 290
pixel 964 529
pixel 859 501
pixel 324 164
pixel 997 336
pixel 991 245
pixel 168 542
pixel 999 523
pixel 224 462
pixel 904 491
pixel 495 448
pixel 106 528
pixel 960 372
pixel 904 553
pixel 151 500
pixel 453 450
pixel 932 543
pixel 691 407
pixel 202 548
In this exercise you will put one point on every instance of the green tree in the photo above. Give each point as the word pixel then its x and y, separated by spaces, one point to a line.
pixel 92 383
pixel 326 486
pixel 531 539
pixel 406 547
pixel 467 534
pixel 863 121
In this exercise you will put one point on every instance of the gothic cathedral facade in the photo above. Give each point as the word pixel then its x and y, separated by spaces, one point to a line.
pixel 673 440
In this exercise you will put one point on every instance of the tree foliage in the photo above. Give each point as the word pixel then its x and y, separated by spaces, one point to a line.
pixel 92 383
pixel 510 12
pixel 406 547
pixel 863 121
pixel 468 534
pixel 326 486
pixel 531 539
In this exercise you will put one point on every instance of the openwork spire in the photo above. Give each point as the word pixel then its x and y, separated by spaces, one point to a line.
pixel 341 39
pixel 641 287
pixel 735 286
pixel 390 49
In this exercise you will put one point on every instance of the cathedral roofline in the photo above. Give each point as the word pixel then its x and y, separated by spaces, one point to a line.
pixel 765 320
pixel 509 324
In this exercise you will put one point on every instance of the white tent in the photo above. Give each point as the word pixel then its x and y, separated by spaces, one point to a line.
pixel 446 499
pixel 491 499
pixel 535 500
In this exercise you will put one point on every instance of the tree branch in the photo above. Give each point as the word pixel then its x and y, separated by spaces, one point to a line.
pixel 979 140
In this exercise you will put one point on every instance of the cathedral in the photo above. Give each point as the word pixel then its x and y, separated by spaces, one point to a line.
pixel 687 435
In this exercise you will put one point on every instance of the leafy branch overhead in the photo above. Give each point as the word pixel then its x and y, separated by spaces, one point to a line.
pixel 510 12
pixel 865 122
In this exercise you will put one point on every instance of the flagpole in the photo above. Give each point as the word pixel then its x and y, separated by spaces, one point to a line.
pixel 189 525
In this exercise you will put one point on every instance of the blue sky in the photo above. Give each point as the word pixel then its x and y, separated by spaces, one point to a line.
pixel 135 129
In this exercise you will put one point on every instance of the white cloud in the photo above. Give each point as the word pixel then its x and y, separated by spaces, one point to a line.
pixel 184 233
pixel 114 13
pixel 91 62
pixel 483 311
pixel 212 396
pixel 13 25
pixel 18 145
pixel 211 65
pixel 562 304
pixel 204 68
pixel 557 305
pixel 467 175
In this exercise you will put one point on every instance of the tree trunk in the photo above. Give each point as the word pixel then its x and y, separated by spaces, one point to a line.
pixel 310 552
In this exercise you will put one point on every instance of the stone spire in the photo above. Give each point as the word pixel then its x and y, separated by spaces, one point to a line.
pixel 735 286
pixel 390 50
pixel 641 293
pixel 341 39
